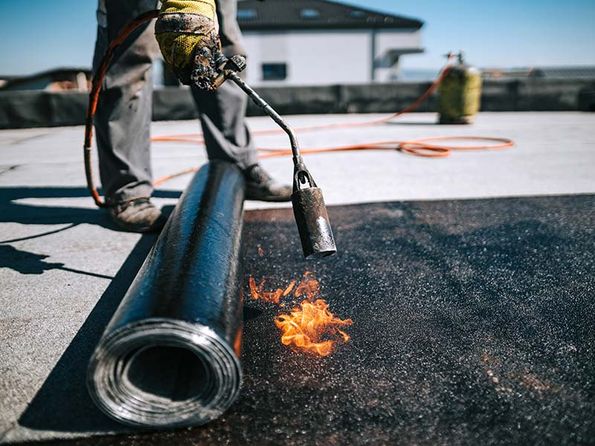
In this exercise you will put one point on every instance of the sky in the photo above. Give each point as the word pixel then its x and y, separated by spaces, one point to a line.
pixel 512 33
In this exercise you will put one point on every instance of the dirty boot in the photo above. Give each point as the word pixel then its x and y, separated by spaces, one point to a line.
pixel 138 215
pixel 262 187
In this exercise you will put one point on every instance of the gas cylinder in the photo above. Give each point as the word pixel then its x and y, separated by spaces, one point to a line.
pixel 459 94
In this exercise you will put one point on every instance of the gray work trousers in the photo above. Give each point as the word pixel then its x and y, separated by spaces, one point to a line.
pixel 123 119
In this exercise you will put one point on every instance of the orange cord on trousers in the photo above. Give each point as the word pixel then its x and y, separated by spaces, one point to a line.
pixel 96 86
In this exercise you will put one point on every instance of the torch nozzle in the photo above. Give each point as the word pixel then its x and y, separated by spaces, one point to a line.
pixel 311 216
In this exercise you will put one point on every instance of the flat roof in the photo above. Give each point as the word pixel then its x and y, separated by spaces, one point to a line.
pixel 449 280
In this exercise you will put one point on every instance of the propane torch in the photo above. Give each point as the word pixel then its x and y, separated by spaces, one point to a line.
pixel 308 204
pixel 309 209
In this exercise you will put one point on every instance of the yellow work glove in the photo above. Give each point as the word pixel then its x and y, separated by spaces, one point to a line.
pixel 188 35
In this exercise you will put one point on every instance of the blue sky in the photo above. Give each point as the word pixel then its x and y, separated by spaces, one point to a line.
pixel 492 33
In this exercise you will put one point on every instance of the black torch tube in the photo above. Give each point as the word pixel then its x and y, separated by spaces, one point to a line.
pixel 270 111
pixel 169 356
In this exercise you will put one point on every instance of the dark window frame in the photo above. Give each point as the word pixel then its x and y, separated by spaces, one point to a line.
pixel 274 71
pixel 309 13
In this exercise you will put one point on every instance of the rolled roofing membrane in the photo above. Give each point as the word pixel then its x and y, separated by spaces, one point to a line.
pixel 170 355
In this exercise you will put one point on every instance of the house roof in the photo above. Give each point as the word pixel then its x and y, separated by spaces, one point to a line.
pixel 257 15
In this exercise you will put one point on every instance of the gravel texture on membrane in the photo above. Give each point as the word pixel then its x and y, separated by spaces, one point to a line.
pixel 473 323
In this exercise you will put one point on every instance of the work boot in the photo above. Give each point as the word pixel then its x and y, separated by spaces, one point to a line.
pixel 262 187
pixel 138 215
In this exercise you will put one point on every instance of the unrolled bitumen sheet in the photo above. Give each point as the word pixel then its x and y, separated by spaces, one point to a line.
pixel 472 323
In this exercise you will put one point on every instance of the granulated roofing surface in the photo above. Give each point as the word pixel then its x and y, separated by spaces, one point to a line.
pixel 473 323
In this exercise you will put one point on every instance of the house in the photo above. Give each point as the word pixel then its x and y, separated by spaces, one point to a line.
pixel 318 42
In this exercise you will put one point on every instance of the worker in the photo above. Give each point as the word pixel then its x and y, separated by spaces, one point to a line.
pixel 190 34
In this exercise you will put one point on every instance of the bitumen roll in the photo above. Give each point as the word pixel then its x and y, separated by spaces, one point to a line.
pixel 169 356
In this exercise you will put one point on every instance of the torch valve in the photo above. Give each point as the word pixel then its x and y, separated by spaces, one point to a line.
pixel 235 64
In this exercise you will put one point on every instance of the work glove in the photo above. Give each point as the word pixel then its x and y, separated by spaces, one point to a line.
pixel 188 35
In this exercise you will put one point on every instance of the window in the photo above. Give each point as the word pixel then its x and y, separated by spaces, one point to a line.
pixel 357 14
pixel 274 71
pixel 247 14
pixel 309 13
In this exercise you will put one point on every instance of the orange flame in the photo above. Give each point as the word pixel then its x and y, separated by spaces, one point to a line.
pixel 257 292
pixel 305 326
pixel 309 286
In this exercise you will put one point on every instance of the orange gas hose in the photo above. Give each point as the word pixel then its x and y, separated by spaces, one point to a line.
pixel 423 147
pixel 96 86
pixel 418 147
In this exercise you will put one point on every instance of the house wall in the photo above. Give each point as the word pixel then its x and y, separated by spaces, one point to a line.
pixel 407 41
pixel 321 57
